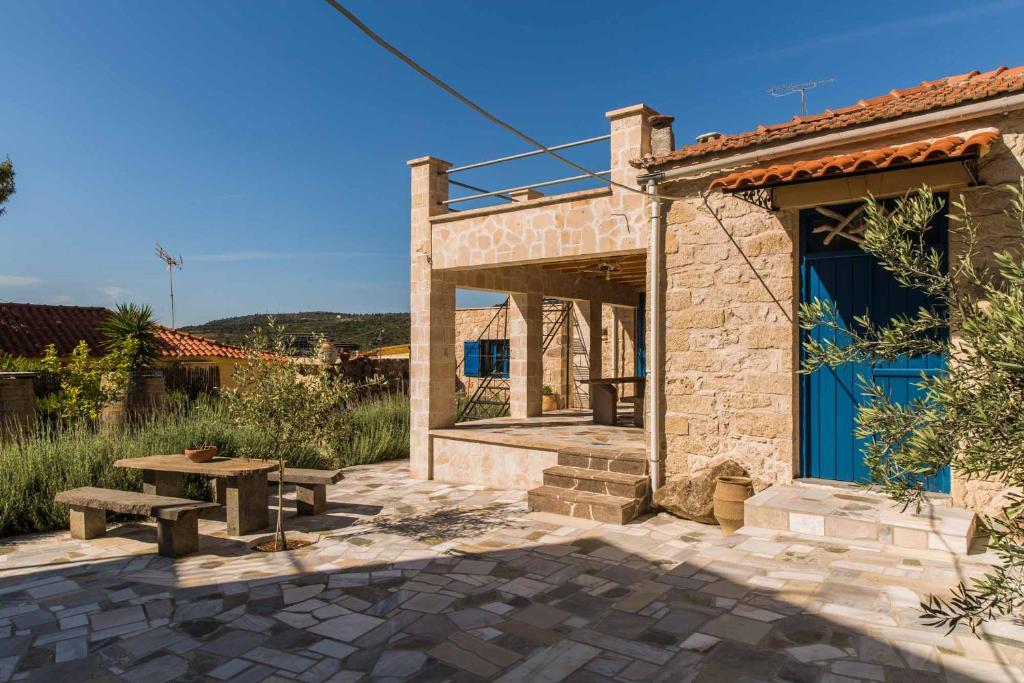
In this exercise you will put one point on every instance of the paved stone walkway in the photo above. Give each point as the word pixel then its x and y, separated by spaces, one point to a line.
pixel 425 581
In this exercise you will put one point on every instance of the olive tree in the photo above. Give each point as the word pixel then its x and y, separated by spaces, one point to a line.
pixel 295 405
pixel 971 417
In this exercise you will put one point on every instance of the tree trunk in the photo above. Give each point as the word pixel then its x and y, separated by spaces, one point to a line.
pixel 282 541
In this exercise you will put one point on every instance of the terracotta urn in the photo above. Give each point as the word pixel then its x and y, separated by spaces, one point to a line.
pixel 202 454
pixel 549 402
pixel 730 493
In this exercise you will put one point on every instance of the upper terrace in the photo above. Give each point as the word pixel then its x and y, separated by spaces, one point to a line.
pixel 531 227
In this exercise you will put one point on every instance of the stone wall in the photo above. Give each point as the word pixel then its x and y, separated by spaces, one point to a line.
pixel 729 340
pixel 1003 166
pixel 470 323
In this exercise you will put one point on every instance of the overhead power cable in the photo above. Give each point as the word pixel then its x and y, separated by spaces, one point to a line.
pixel 483 112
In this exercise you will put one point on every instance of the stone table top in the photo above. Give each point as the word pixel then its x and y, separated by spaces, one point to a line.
pixel 612 380
pixel 219 466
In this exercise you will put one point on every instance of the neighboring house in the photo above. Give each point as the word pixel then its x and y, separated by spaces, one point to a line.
pixel 27 329
pixel 757 222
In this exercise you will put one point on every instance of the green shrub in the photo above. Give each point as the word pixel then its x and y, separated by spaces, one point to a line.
pixel 34 468
pixel 379 430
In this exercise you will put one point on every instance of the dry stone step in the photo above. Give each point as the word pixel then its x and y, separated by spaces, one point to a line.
pixel 597 481
pixel 585 505
pixel 606 460
pixel 833 513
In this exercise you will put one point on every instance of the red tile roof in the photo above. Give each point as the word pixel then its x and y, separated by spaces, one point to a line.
pixel 178 344
pixel 964 145
pixel 929 95
pixel 26 330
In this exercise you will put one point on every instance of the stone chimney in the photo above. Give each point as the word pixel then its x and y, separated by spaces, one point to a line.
pixel 663 140
pixel 525 195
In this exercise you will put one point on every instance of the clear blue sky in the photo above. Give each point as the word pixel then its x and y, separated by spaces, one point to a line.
pixel 266 141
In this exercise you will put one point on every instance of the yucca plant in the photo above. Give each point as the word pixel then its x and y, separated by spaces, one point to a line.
pixel 133 321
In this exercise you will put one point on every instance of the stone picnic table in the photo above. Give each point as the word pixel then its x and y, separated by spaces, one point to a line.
pixel 604 399
pixel 241 484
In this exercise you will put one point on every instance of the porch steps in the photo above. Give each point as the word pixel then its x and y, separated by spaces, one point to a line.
pixel 604 485
pixel 596 481
pixel 852 513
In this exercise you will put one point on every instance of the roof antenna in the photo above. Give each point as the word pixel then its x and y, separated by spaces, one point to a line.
pixel 801 88
pixel 172 263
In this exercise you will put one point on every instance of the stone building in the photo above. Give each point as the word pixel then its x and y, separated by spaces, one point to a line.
pixel 745 227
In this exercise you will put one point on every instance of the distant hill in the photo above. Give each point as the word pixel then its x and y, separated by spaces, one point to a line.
pixel 364 330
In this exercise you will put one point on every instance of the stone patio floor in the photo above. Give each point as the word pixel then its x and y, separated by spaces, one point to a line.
pixel 426 581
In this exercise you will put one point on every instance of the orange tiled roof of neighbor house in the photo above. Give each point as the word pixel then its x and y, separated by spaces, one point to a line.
pixel 964 145
pixel 929 95
pixel 178 344
pixel 26 330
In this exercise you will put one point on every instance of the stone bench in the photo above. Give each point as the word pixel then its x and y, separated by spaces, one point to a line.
pixel 177 519
pixel 310 487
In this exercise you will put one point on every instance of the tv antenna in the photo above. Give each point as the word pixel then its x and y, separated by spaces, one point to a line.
pixel 172 263
pixel 802 88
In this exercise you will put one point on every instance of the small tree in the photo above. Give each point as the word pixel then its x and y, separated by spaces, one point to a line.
pixel 971 416
pixel 6 182
pixel 87 384
pixel 296 405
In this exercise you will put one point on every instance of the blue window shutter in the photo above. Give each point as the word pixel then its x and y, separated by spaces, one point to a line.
pixel 471 354
pixel 503 350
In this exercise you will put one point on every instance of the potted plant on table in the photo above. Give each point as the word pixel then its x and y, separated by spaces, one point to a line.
pixel 201 453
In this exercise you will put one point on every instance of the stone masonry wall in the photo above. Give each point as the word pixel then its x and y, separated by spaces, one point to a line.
pixel 1004 165
pixel 729 339
pixel 470 323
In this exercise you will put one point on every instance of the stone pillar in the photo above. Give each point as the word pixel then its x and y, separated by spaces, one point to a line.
pixel 432 308
pixel 624 322
pixel 596 338
pixel 588 315
pixel 526 365
pixel 631 139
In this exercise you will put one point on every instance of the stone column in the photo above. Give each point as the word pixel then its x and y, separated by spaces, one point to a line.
pixel 631 139
pixel 526 366
pixel 624 319
pixel 588 314
pixel 432 307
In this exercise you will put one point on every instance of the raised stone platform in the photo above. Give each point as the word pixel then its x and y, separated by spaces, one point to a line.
pixel 852 513
pixel 513 453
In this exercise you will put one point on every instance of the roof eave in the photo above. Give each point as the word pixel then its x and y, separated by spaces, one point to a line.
pixel 757 154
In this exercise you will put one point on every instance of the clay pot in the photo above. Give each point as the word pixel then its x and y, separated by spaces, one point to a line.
pixel 204 454
pixel 730 492
pixel 549 402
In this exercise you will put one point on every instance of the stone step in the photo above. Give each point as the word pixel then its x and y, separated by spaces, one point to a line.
pixel 596 481
pixel 837 512
pixel 585 505
pixel 610 460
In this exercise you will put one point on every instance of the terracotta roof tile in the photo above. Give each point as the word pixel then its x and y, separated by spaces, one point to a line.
pixel 928 96
pixel 964 145
pixel 26 330
pixel 178 344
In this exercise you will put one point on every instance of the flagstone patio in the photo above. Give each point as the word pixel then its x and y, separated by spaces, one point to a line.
pixel 423 581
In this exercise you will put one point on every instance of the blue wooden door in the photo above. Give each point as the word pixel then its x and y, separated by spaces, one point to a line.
pixel 840 272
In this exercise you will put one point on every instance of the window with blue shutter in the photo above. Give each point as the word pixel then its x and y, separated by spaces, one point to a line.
pixel 486 358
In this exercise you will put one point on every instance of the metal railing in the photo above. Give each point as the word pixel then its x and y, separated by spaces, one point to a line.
pixel 505 193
